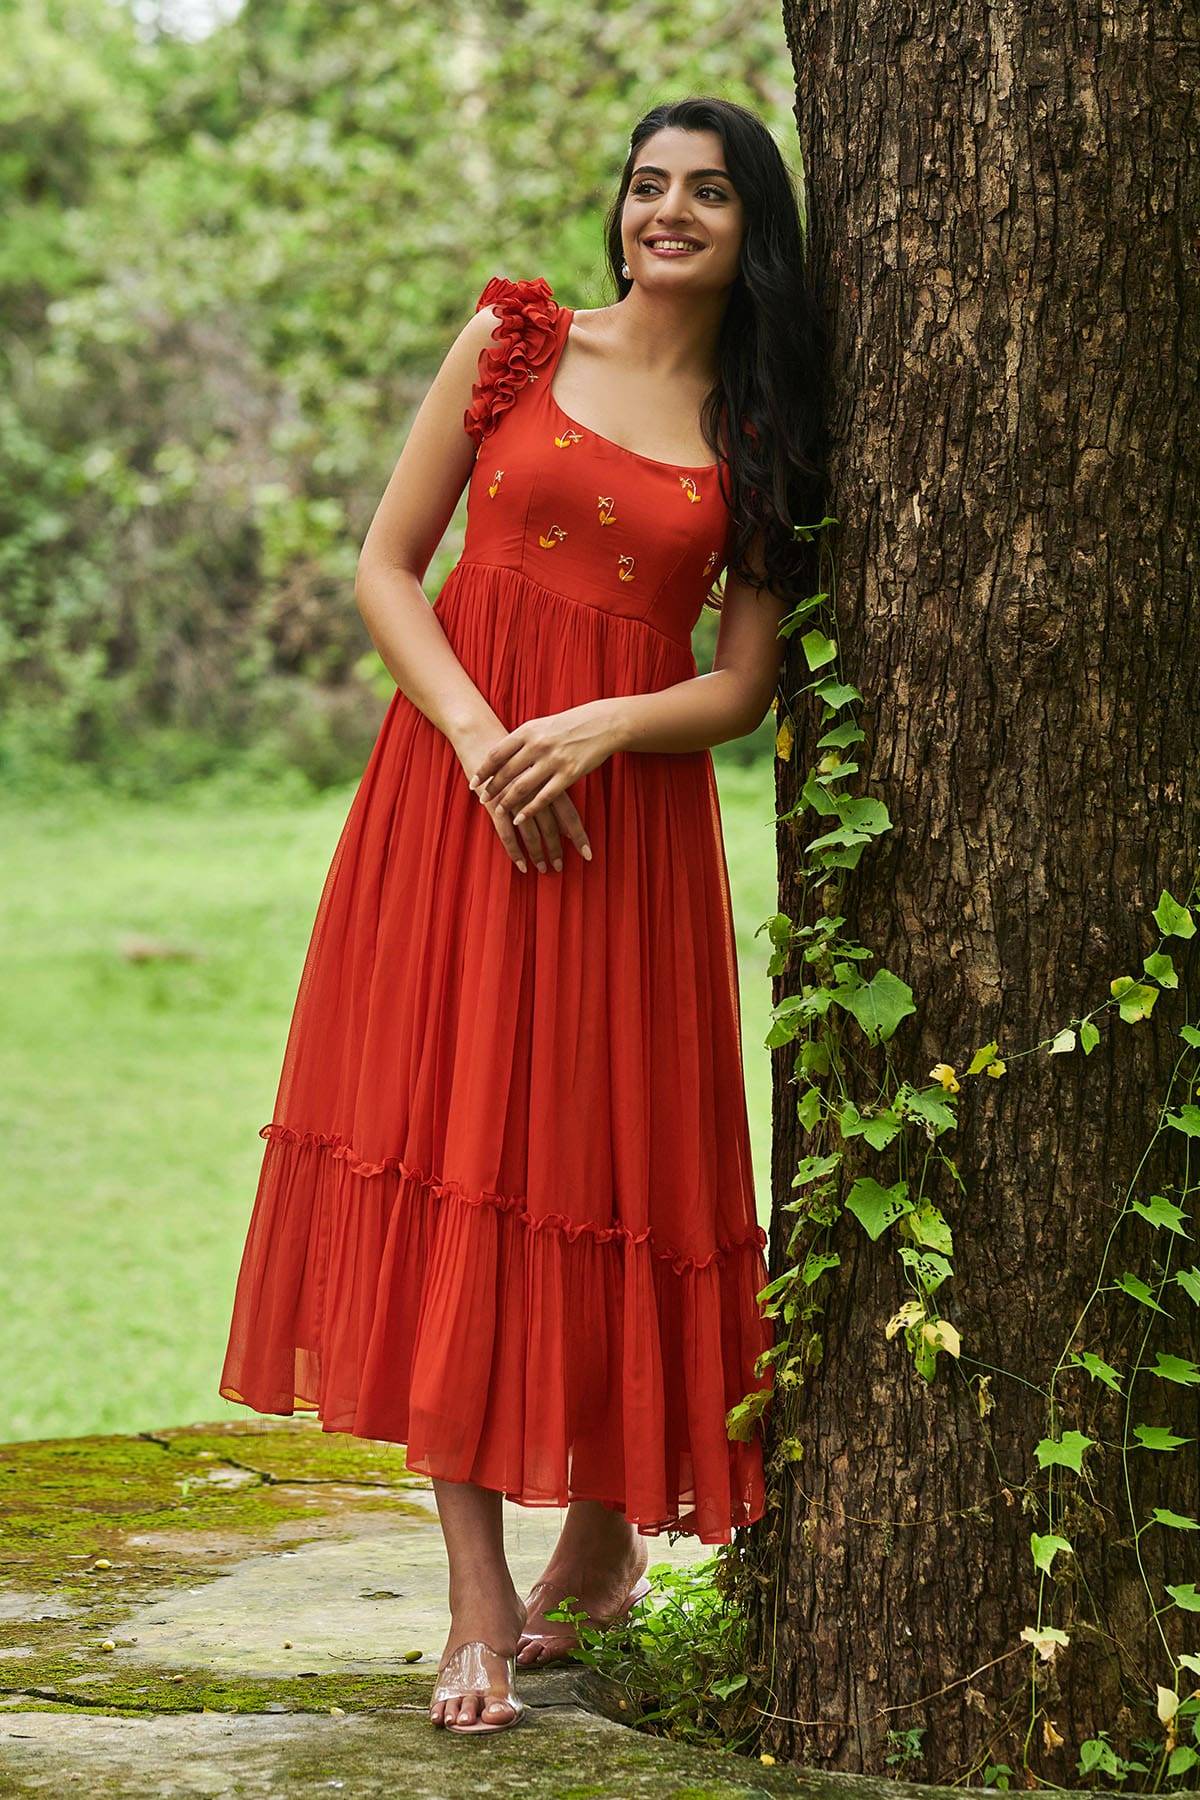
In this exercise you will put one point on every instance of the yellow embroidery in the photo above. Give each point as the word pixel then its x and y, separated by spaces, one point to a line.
pixel 624 568
pixel 689 487
pixel 568 438
pixel 494 483
pixel 712 561
pixel 555 535
pixel 607 515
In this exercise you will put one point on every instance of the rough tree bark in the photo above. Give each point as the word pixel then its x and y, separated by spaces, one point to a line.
pixel 1002 219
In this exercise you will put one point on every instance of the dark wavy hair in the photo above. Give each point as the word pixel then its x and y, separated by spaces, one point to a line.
pixel 770 350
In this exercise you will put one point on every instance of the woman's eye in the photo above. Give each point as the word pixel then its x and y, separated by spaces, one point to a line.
pixel 648 187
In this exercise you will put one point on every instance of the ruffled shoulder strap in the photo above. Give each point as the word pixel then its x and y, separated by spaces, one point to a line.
pixel 521 341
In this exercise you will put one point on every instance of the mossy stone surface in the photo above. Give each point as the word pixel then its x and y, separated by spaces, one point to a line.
pixel 256 1608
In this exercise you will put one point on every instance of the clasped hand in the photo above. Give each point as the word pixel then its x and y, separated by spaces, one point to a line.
pixel 524 777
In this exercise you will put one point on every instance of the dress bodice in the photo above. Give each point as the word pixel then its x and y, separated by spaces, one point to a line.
pixel 581 515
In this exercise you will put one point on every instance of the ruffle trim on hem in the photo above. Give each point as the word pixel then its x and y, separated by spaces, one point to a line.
pixel 524 339
pixel 515 1203
pixel 544 1366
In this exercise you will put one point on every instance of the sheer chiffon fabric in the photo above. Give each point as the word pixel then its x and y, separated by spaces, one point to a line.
pixel 505 1213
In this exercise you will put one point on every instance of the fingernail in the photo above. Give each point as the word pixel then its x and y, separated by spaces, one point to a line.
pixel 541 868
pixel 517 817
pixel 521 865
pixel 473 783
pixel 558 862
pixel 587 851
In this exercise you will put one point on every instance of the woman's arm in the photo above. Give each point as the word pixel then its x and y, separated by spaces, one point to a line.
pixel 410 521
pixel 542 757
pixel 730 701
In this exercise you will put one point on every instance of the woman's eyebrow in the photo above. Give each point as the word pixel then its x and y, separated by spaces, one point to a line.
pixel 692 174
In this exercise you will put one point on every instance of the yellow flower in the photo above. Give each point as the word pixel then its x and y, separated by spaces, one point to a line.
pixel 767 1760
pixel 944 1072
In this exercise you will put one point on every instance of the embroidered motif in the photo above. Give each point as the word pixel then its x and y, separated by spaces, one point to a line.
pixel 494 483
pixel 624 568
pixel 689 487
pixel 567 439
pixel 548 539
pixel 605 504
pixel 711 563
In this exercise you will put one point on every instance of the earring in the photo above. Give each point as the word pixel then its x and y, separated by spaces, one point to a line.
pixel 625 270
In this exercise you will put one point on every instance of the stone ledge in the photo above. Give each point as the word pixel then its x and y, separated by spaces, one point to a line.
pixel 181 1611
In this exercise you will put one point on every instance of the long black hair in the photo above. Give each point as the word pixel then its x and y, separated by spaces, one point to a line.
pixel 764 416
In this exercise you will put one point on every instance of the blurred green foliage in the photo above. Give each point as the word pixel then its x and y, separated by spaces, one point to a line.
pixel 229 266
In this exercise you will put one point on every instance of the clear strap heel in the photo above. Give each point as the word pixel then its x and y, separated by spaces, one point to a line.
pixel 470 1668
pixel 561 1642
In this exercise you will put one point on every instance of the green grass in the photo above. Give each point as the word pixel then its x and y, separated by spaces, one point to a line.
pixel 131 1092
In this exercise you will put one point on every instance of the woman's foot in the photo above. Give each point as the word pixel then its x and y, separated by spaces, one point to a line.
pixel 474 1689
pixel 600 1558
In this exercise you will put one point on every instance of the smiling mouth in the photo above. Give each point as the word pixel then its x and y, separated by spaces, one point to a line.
pixel 664 245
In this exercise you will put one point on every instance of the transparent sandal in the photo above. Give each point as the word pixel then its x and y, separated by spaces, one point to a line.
pixel 465 1671
pixel 554 1646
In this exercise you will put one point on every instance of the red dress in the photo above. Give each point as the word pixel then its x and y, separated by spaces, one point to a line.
pixel 506 1214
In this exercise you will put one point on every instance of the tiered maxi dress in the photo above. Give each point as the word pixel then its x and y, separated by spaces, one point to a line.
pixel 505 1214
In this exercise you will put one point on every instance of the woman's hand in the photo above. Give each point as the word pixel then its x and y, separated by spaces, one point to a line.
pixel 542 835
pixel 528 772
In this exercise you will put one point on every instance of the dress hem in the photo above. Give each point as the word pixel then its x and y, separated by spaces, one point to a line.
pixel 678 1527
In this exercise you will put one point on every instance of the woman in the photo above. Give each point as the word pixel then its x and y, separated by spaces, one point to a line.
pixel 506 1212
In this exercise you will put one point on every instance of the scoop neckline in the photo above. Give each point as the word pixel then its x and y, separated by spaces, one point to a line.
pixel 656 462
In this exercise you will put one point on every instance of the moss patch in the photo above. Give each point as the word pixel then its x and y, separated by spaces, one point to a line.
pixel 164 1510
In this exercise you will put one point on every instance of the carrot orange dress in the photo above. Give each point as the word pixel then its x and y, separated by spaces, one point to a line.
pixel 505 1214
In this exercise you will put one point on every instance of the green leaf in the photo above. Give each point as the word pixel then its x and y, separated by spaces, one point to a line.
pixel 1158 1437
pixel 1089 1037
pixel 931 1105
pixel 1098 1369
pixel 1190 1035
pixel 1172 919
pixel 1161 1516
pixel 1187 1120
pixel 741 1419
pixel 1158 1210
pixel 1137 1290
pixel 1046 1548
pixel 982 1058
pixel 808 1107
pixel 818 649
pixel 835 693
pixel 877 1207
pixel 1065 1452
pixel 723 1689
pixel 1184 1594
pixel 878 1005
pixel 812 1168
pixel 928 1226
pixel 1176 1368
pixel 1135 999
pixel 1182 1758
pixel 815 1265
pixel 840 736
pixel 929 1269
pixel 1063 1042
pixel 1160 968
pixel 1189 1281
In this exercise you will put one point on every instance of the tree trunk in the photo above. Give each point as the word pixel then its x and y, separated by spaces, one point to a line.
pixel 1002 219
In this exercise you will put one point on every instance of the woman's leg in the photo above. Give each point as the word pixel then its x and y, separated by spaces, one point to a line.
pixel 598 1558
pixel 484 1603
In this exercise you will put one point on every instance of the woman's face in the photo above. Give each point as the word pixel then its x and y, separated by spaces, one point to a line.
pixel 679 190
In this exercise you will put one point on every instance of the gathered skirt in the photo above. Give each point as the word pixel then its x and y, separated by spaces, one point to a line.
pixel 505 1215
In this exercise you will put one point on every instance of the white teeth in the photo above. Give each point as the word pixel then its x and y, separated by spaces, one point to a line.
pixel 670 244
